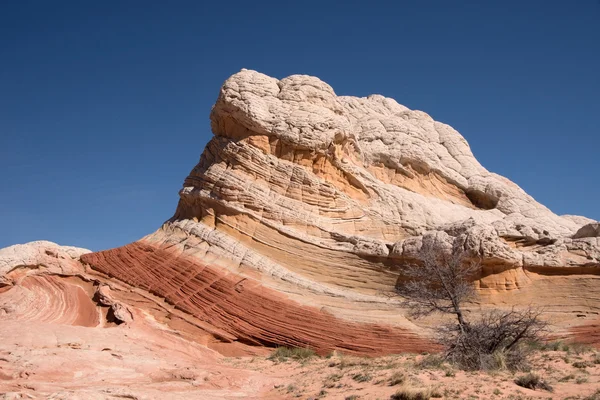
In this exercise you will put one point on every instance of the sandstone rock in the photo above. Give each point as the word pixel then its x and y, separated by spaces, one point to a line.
pixel 120 311
pixel 294 227
pixel 589 230
pixel 357 175
pixel 48 255
pixel 56 341
pixel 320 199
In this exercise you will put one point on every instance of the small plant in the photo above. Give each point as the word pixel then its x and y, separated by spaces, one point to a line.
pixel 397 378
pixel 331 380
pixel 388 365
pixel 533 381
pixel 497 392
pixel 362 377
pixel 450 373
pixel 295 353
pixel 581 379
pixel 556 345
pixel 407 393
pixel 291 388
pixel 581 364
pixel 322 393
pixel 593 396
pixel 567 378
pixel 352 397
pixel 580 348
pixel 432 361
pixel 347 362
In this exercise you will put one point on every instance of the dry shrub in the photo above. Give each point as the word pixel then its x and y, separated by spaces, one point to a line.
pixel 360 377
pixel 533 381
pixel 331 380
pixel 582 364
pixel 397 378
pixel 493 343
pixel 409 393
pixel 582 379
pixel 295 353
pixel 431 361
pixel 593 396
pixel 580 348
pixel 442 283
pixel 567 378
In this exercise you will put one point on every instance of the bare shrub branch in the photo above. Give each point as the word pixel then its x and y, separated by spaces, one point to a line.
pixel 494 341
pixel 442 283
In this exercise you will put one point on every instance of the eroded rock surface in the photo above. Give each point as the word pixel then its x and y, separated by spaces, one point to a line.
pixel 322 198
pixel 293 229
pixel 68 333
pixel 241 309
pixel 365 176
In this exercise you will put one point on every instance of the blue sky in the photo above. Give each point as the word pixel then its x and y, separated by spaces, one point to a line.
pixel 104 105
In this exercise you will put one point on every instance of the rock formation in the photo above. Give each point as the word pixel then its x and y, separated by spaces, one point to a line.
pixel 68 333
pixel 295 224
pixel 317 200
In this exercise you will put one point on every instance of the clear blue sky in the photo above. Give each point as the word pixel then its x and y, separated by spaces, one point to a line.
pixel 104 105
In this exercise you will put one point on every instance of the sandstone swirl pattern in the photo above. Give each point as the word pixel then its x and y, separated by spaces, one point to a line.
pixel 68 333
pixel 320 199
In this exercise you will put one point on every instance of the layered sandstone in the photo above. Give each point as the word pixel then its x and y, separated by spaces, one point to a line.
pixel 293 230
pixel 317 200
pixel 69 333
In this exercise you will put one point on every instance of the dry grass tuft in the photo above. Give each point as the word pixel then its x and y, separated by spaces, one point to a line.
pixel 533 381
pixel 409 393
pixel 294 353
pixel 397 378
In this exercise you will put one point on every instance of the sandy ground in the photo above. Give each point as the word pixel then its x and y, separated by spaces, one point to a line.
pixel 49 361
pixel 76 336
pixel 572 374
